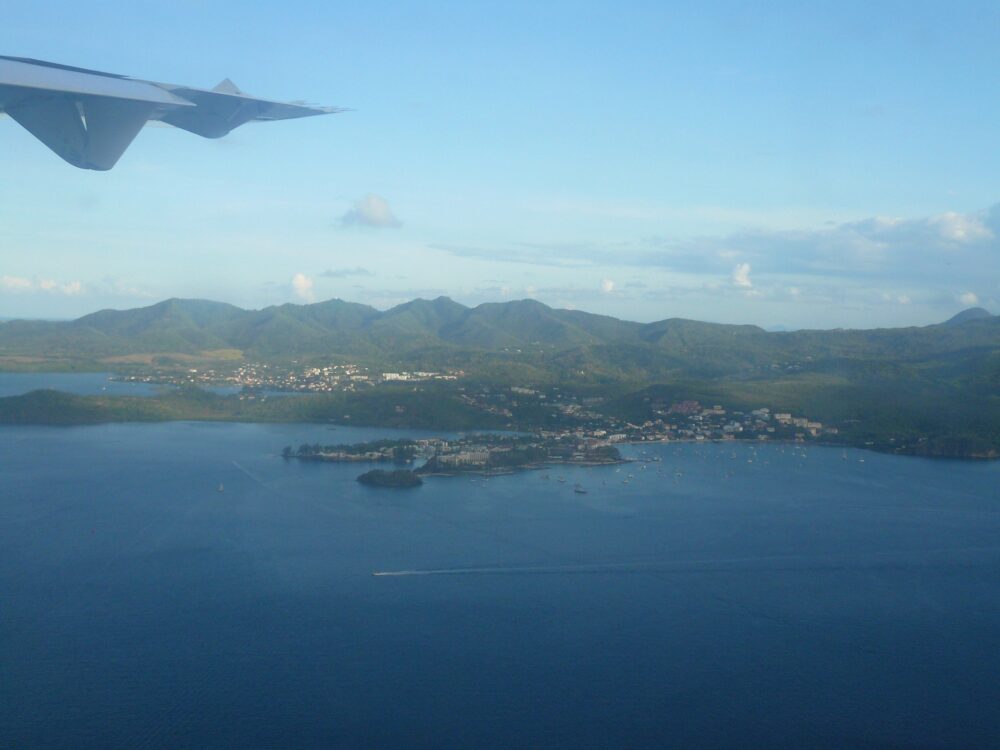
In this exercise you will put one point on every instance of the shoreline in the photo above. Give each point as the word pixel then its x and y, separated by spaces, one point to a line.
pixel 219 419
pixel 505 471
pixel 61 409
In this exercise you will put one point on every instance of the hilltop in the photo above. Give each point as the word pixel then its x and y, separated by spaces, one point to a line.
pixel 441 330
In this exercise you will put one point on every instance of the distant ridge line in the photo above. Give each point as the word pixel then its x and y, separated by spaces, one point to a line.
pixel 433 331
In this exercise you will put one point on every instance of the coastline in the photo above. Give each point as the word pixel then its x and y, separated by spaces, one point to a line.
pixel 504 471
pixel 61 409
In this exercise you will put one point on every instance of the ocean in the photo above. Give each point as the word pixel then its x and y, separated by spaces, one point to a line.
pixel 181 585
pixel 80 383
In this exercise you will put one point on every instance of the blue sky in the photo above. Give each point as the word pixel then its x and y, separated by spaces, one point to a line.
pixel 795 164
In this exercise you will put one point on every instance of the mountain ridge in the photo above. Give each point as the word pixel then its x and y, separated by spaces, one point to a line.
pixel 422 329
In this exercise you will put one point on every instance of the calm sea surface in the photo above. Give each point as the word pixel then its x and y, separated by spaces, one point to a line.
pixel 82 383
pixel 723 597
pixel 100 383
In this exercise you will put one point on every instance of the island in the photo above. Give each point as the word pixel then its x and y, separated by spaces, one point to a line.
pixel 399 479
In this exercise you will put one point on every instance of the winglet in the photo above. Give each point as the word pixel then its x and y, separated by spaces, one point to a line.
pixel 225 86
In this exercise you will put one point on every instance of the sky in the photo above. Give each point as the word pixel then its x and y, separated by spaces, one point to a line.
pixel 789 164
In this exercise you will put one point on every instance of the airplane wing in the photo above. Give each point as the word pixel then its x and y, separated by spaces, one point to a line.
pixel 90 118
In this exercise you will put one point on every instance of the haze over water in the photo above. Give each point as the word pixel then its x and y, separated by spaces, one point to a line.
pixel 727 595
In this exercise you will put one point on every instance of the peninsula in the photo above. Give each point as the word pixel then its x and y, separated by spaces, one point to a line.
pixel 478 454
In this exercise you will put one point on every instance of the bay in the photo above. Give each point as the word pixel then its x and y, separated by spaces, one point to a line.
pixel 102 384
pixel 79 383
pixel 724 595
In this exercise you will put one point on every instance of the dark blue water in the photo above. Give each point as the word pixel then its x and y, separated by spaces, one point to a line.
pixel 100 383
pixel 81 383
pixel 802 600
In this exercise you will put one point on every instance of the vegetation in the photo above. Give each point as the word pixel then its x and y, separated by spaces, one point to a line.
pixel 394 450
pixel 438 410
pixel 933 390
pixel 519 337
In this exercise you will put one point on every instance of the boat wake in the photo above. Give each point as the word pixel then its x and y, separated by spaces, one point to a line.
pixel 966 557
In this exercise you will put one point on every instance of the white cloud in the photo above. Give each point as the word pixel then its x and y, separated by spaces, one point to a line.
pixel 371 211
pixel 969 298
pixel 20 284
pixel 899 299
pixel 741 276
pixel 73 287
pixel 302 286
pixel 607 286
pixel 15 284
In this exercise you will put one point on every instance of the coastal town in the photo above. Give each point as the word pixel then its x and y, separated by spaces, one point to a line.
pixel 587 418
pixel 593 443
pixel 255 377
pixel 689 420
pixel 556 414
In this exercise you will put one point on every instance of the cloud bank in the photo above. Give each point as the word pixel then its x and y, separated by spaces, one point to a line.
pixel 19 284
pixel 951 255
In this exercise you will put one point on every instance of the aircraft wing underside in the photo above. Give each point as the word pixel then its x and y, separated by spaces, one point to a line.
pixel 89 118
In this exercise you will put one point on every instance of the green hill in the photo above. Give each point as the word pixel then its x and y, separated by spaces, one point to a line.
pixel 336 327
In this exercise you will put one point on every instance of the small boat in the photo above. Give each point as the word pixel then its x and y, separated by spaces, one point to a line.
pixel 579 491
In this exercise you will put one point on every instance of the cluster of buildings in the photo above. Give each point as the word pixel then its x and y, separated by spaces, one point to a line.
pixel 689 420
pixel 716 423
pixel 579 416
pixel 325 379
pixel 258 376
pixel 418 376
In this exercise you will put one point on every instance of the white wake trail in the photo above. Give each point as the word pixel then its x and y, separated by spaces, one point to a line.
pixel 901 558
